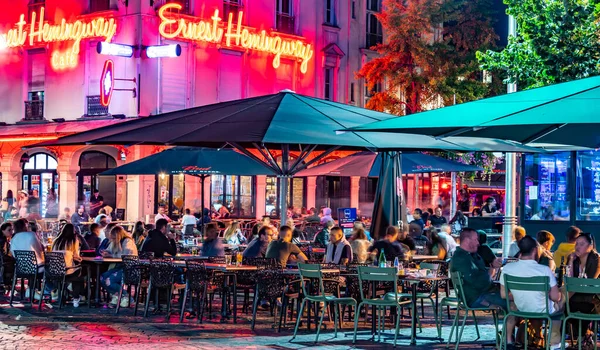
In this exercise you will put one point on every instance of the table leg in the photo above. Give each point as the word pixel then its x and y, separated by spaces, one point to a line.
pixel 413 338
pixel 373 308
pixel 224 301
pixel 97 284
pixel 234 298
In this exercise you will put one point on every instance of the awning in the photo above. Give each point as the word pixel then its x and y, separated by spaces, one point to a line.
pixel 51 130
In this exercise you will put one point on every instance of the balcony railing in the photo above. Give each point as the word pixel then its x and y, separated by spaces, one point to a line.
pixel 94 108
pixel 231 7
pixel 34 110
pixel 285 23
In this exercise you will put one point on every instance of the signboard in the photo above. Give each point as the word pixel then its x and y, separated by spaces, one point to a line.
pixel 233 34
pixel 107 82
pixel 346 218
pixel 38 32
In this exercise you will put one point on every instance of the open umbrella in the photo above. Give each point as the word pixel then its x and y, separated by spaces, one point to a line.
pixel 368 164
pixel 274 125
pixel 560 114
pixel 201 162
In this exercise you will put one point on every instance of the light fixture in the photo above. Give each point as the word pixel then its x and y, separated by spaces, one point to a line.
pixel 24 159
pixel 173 50
pixel 58 120
pixel 111 49
pixel 162 176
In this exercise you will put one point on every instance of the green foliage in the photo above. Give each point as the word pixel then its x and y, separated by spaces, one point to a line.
pixel 429 54
pixel 557 41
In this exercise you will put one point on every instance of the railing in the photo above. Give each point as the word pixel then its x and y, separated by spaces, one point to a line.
pixel 34 110
pixel 94 108
pixel 286 23
pixel 231 7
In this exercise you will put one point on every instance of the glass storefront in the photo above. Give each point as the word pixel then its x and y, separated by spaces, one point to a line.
pixel 170 193
pixel 296 194
pixel 547 186
pixel 233 192
pixel 38 177
pixel 588 186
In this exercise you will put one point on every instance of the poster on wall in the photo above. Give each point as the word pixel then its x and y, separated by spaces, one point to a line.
pixel 346 218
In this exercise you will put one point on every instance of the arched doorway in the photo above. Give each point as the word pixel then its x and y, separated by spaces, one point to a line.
pixel 92 163
pixel 39 176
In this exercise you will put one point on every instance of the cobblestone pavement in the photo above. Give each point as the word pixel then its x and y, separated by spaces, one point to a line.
pixel 24 328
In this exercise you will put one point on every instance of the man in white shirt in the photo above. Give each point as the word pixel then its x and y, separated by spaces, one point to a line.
pixel 530 301
pixel 188 222
pixel 24 239
pixel 161 215
pixel 449 242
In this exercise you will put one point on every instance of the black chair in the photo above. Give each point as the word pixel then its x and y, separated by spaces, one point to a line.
pixel 132 276
pixel 161 277
pixel 26 267
pixel 56 271
pixel 197 281
pixel 270 284
pixel 146 255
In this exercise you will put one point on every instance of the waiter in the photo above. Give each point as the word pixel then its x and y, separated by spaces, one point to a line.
pixel 96 202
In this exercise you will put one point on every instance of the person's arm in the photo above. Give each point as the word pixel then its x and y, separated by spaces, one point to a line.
pixel 593 269
pixel 298 253
pixel 442 252
pixel 555 294
pixel 169 244
pixel 83 243
pixel 346 255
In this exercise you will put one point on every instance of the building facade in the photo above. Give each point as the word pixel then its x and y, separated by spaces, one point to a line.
pixel 54 82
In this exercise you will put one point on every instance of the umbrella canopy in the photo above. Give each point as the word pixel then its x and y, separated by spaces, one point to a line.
pixel 368 164
pixel 563 114
pixel 387 208
pixel 194 161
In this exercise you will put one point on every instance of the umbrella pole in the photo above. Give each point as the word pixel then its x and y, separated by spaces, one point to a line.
pixel 283 183
pixel 453 194
pixel 202 178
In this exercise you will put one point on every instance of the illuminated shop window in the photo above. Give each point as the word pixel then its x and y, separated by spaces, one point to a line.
pixel 546 186
pixel 588 185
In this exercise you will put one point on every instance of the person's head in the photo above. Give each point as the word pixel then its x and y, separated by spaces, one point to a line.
pixel 35 193
pixel 572 233
pixel 187 211
pixel 414 229
pixel 9 194
pixel 285 233
pixel 490 201
pixel 212 231
pixel 482 237
pixel 161 210
pixel 446 229
pixel 116 235
pixel 67 210
pixel 95 229
pixel 65 239
pixel 265 234
pixel 476 212
pixel 545 239
pixel 139 227
pixel 528 247
pixel 469 240
pixel 103 222
pixel 336 235
pixel 438 211
pixel 266 220
pixel 417 213
pixel 430 211
pixel 313 211
pixel 80 210
pixel 519 232
pixel 96 192
pixel 359 225
pixel 102 211
pixel 327 211
pixel 14 211
pixel 435 238
pixel 329 225
pixel 7 230
pixel 161 225
pixel 584 244
pixel 232 229
pixel 391 233
pixel 21 225
pixel 359 234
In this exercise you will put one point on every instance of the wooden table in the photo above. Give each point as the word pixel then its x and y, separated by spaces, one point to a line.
pixel 98 261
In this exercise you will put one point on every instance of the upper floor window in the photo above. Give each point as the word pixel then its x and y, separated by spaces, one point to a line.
pixel 328 92
pixel 374 5
pixel 233 7
pixel 374 31
pixel 99 5
pixel 285 16
pixel 330 12
pixel 185 4
pixel 353 9
pixel 35 6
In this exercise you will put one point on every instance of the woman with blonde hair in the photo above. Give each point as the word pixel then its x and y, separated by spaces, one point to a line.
pixel 120 244
pixel 67 243
pixel 233 235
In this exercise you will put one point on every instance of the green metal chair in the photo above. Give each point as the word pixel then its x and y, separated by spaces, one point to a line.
pixel 457 281
pixel 425 295
pixel 529 284
pixel 583 286
pixel 309 274
pixel 392 299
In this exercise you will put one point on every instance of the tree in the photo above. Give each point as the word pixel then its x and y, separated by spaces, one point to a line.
pixel 429 54
pixel 557 41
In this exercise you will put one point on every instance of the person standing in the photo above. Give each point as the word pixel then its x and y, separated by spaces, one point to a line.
pixel 188 222
pixel 51 204
pixel 96 202
pixel 464 198
pixel 23 204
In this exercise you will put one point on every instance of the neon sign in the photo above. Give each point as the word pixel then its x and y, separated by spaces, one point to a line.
pixel 107 82
pixel 40 32
pixel 232 34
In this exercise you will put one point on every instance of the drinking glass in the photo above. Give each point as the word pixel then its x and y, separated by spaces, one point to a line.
pixel 239 258
pixel 228 259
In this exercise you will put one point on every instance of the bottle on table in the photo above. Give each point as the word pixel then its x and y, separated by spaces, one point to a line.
pixel 561 272
pixel 396 264
pixel 382 260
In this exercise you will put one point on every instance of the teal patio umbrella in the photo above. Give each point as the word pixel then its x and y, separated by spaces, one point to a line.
pixel 560 114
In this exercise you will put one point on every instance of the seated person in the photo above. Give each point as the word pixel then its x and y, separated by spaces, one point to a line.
pixel 389 245
pixel 258 247
pixel 160 240
pixel 528 301
pixel 417 233
pixel 24 239
pixel 518 234
pixel 212 245
pixel 339 251
pixel 283 248
pixel 484 250
pixel 417 219
pixel 93 237
pixel 322 237
pixel 406 239
pixel 313 218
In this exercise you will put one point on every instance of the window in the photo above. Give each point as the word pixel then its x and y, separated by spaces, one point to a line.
pixel 35 6
pixel 36 75
pixel 353 9
pixel 296 194
pixel 99 5
pixel 236 193
pixel 328 92
pixel 588 185
pixel 546 186
pixel 233 7
pixel 374 5
pixel 371 92
pixel 330 12
pixel 352 93
pixel 170 193
pixel 285 16
pixel 374 31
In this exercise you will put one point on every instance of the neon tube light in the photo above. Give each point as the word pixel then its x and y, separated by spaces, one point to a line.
pixel 173 50
pixel 111 49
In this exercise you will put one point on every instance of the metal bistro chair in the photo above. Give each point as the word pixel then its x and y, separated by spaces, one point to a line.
pixel 26 267
pixel 161 277
pixel 583 286
pixel 197 281
pixel 457 282
pixel 309 274
pixel 392 299
pixel 132 276
pixel 56 271
pixel 529 284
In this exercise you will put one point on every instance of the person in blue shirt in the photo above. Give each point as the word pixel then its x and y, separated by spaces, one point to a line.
pixel 417 218
pixel 212 245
